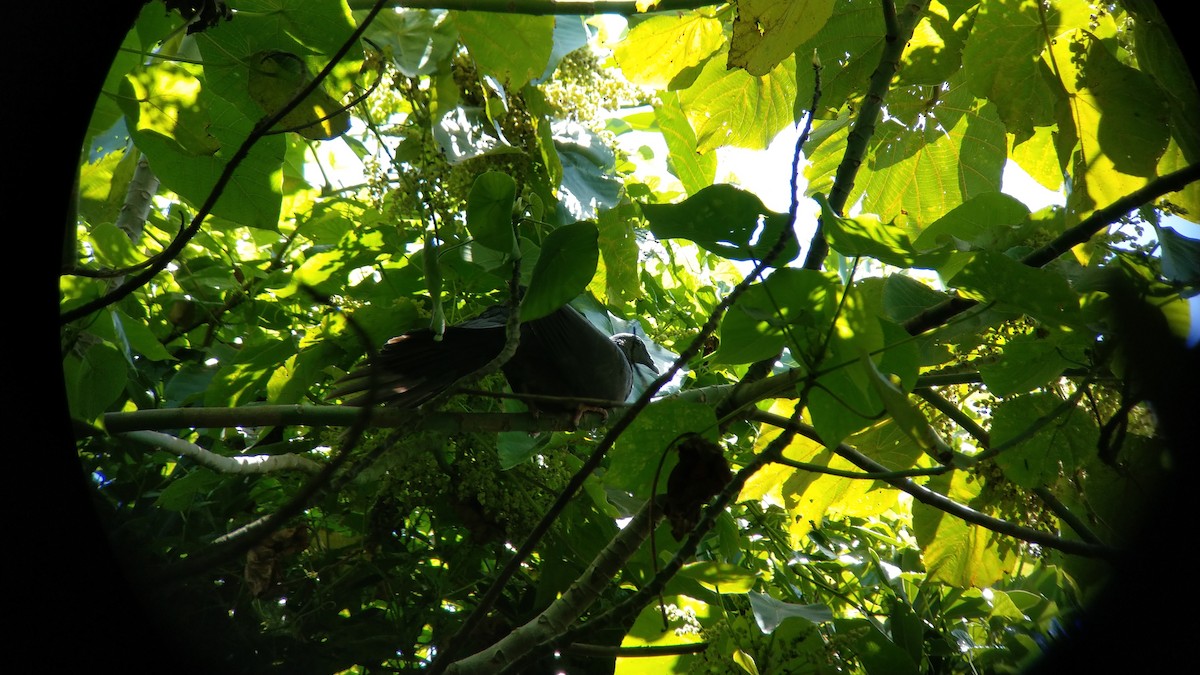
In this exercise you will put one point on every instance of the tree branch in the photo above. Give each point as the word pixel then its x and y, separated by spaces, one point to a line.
pixel 558 617
pixel 899 31
pixel 242 464
pixel 943 503
pixel 1085 230
pixel 541 7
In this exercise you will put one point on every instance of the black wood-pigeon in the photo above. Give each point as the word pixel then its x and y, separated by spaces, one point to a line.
pixel 560 355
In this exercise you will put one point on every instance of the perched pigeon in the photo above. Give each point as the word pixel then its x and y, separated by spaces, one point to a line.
pixel 560 355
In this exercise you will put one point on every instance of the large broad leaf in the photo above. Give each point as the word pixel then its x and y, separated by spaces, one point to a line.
pixel 769 612
pixel 727 221
pixel 418 41
pixel 695 170
pixel 94 380
pixel 1031 361
pixel 1119 118
pixel 955 552
pixel 490 211
pixel 732 107
pixel 619 251
pixel 792 307
pixel 989 221
pixel 276 78
pixel 588 184
pixel 312 30
pixel 905 414
pixel 636 456
pixel 244 377
pixel 720 577
pixel 849 46
pixel 923 172
pixel 513 48
pixel 570 34
pixel 1040 293
pixel 190 136
pixel 659 48
pixel 1180 257
pixel 565 265
pixel 1042 440
pixel 866 235
pixel 1001 61
pixel 465 133
pixel 878 654
pixel 847 399
pixel 766 32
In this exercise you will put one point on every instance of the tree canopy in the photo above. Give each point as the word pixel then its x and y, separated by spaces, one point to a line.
pixel 905 422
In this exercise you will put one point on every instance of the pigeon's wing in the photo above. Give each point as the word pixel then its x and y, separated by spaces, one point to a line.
pixel 413 368
pixel 563 354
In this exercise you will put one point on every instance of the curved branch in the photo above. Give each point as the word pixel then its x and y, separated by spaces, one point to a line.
pixel 542 7
pixel 1085 230
pixel 899 30
pixel 243 464
pixel 943 503
pixel 567 608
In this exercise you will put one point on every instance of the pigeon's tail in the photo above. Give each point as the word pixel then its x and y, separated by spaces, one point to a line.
pixel 413 368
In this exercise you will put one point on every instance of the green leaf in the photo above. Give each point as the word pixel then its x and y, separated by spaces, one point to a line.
pixel 1066 440
pixel 1038 157
pixel 987 221
pixel 1180 257
pixel 731 107
pixel 588 185
pixel 1042 294
pixel 565 266
pixel 1117 127
pixel 906 415
pixel 934 52
pixel 905 297
pixel 418 41
pixel 95 381
pixel 636 455
pixel 656 50
pixel 112 246
pixel 297 375
pixel 513 48
pixel 1001 62
pixel 490 211
pixel 766 32
pixel 720 577
pixel 189 156
pixel 866 235
pixel 769 612
pixel 312 30
pixel 924 171
pixel 244 378
pixel 1029 361
pixel 792 307
pixel 954 552
pixel 1122 114
pixel 727 221
pixel 276 77
pixel 696 171
pixel 878 654
pixel 183 493
pixel 140 338
pixel 853 39
pixel 619 250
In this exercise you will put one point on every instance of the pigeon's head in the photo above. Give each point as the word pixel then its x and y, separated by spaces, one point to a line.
pixel 634 350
